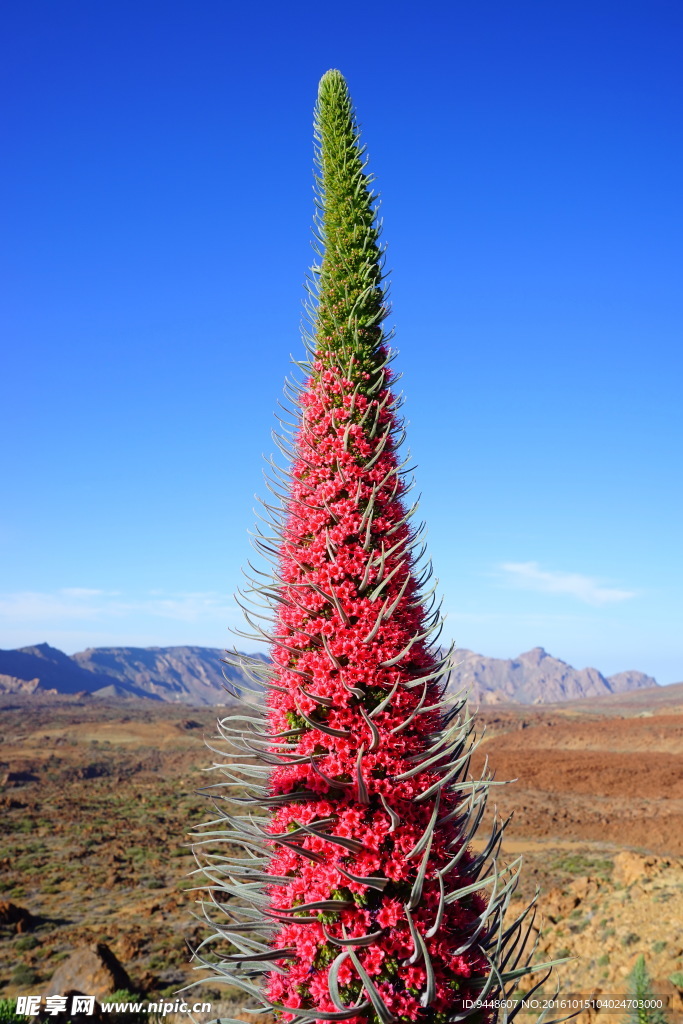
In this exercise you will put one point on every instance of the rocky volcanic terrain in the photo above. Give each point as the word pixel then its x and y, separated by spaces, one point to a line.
pixel 97 797
pixel 536 678
pixel 197 675
pixel 183 675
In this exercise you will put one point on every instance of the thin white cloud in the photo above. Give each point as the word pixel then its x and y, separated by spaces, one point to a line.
pixel 530 576
pixel 36 606
pixel 190 607
pixel 83 603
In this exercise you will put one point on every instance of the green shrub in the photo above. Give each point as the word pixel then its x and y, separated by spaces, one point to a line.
pixel 578 864
pixel 122 995
pixel 639 987
pixel 8 1012
pixel 24 975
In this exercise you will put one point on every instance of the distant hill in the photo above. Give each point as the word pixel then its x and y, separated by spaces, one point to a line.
pixel 40 668
pixel 196 675
pixel 536 678
pixel 654 700
pixel 185 675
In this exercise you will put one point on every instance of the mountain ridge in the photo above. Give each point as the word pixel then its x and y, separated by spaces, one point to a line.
pixel 197 675
pixel 536 677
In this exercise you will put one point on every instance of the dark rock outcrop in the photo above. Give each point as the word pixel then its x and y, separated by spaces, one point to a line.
pixel 92 971
pixel 18 917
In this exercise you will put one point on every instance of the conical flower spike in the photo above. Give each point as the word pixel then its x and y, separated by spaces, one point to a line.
pixel 355 896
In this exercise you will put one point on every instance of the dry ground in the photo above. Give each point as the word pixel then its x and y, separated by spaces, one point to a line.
pixel 97 800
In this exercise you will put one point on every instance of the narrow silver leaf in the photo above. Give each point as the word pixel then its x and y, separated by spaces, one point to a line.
pixel 381 706
pixel 326 905
pixel 363 795
pixel 395 818
pixel 321 727
pixel 357 940
pixel 372 881
pixel 383 1011
pixel 373 729
pixel 349 844
pixel 428 832
pixel 286 953
pixel 427 996
pixel 439 914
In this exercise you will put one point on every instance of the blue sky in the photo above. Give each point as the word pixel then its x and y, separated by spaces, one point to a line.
pixel 157 202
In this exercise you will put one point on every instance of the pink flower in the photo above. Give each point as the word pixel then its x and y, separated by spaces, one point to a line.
pixel 390 912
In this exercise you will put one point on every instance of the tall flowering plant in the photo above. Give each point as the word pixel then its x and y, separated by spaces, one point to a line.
pixel 356 895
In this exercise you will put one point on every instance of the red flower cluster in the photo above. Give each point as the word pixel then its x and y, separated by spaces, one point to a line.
pixel 357 896
pixel 353 713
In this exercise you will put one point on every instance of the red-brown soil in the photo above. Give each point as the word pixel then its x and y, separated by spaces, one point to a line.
pixel 98 798
pixel 617 779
